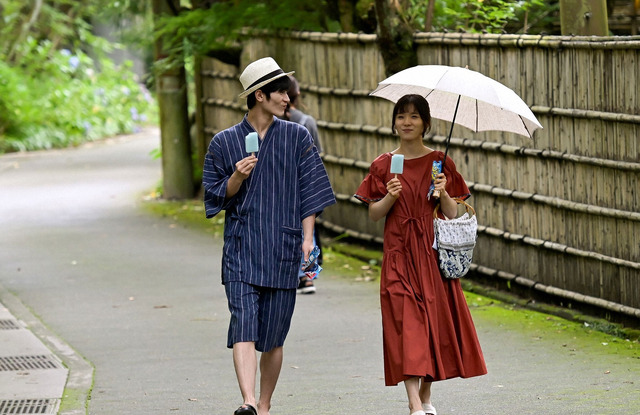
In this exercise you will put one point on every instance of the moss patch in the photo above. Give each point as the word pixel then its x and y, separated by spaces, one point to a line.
pixel 567 335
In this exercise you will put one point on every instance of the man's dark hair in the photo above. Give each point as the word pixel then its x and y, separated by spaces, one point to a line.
pixel 294 90
pixel 277 85
pixel 421 106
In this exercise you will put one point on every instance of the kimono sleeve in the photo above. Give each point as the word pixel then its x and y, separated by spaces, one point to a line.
pixel 215 180
pixel 315 189
pixel 373 187
pixel 456 186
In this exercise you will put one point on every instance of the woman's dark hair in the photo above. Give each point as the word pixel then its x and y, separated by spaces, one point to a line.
pixel 277 85
pixel 419 103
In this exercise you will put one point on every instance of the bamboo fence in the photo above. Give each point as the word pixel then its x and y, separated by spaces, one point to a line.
pixel 559 213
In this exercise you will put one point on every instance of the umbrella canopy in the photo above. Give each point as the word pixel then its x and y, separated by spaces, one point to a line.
pixel 464 97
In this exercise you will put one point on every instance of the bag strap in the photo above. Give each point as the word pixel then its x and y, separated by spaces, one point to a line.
pixel 459 201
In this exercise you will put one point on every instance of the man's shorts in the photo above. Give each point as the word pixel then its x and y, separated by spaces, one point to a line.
pixel 259 314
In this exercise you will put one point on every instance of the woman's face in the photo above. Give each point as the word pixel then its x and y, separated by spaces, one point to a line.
pixel 409 125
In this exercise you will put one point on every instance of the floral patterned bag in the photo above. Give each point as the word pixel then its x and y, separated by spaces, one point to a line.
pixel 454 239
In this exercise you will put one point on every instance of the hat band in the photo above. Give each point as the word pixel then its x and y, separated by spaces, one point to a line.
pixel 267 76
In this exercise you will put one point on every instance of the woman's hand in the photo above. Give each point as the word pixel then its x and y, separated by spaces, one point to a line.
pixel 440 184
pixel 379 209
pixel 448 206
pixel 394 187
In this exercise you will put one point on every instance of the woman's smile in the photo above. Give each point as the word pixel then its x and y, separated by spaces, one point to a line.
pixel 409 125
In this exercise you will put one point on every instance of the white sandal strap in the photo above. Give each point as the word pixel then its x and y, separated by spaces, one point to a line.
pixel 429 409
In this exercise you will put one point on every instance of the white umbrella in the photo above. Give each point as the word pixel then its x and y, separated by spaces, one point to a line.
pixel 463 97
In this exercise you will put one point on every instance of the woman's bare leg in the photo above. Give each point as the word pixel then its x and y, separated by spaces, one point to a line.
pixel 413 393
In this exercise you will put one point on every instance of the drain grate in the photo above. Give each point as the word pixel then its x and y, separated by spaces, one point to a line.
pixel 28 363
pixel 9 325
pixel 28 406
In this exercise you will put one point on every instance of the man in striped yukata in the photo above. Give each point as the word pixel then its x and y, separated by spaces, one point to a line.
pixel 271 199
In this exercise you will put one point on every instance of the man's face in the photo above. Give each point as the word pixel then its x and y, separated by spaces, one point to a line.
pixel 277 104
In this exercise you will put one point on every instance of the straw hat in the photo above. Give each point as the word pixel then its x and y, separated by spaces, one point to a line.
pixel 260 73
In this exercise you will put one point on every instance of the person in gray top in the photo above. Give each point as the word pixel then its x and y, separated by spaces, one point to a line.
pixel 294 114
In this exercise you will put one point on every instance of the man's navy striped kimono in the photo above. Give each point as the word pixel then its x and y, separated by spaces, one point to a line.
pixel 263 220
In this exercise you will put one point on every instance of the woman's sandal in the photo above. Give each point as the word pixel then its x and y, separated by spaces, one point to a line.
pixel 246 409
pixel 429 409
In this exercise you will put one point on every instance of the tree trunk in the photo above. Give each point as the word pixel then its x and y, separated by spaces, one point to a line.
pixel 346 8
pixel 395 40
pixel 198 138
pixel 428 19
pixel 171 87
pixel 24 30
pixel 584 17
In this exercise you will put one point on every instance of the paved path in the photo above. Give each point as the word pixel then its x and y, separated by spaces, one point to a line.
pixel 135 301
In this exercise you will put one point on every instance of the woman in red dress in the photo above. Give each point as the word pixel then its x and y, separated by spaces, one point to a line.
pixel 428 333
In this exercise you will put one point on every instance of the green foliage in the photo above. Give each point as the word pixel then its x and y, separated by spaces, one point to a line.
pixel 476 16
pixel 52 92
pixel 59 98
pixel 201 31
pixel 219 28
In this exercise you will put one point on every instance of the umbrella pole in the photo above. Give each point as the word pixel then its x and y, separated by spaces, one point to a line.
pixel 436 193
pixel 453 121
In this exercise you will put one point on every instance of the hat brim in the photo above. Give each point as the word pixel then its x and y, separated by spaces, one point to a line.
pixel 263 83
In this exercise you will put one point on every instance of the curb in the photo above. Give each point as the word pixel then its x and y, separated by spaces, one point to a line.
pixel 80 376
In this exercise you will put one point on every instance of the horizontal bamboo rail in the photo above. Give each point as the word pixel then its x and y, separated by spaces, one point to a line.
pixel 493 146
pixel 323 37
pixel 487 146
pixel 534 242
pixel 515 194
pixel 586 114
pixel 518 279
pixel 556 202
pixel 461 142
pixel 533 41
pixel 536 109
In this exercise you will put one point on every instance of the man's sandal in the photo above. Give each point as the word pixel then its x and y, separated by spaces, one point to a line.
pixel 246 409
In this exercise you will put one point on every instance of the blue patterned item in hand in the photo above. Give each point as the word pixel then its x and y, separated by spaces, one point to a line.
pixel 436 168
pixel 311 267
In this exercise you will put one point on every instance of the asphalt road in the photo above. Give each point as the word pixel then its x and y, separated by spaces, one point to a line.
pixel 139 298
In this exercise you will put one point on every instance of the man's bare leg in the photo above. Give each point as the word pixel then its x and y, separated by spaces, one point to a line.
pixel 246 365
pixel 270 366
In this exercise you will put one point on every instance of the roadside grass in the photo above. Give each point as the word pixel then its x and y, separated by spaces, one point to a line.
pixel 362 263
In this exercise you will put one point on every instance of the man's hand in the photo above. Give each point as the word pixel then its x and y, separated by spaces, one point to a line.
pixel 243 169
pixel 307 247
pixel 245 166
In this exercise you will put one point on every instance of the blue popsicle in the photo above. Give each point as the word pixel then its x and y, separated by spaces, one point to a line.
pixel 397 163
pixel 251 142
